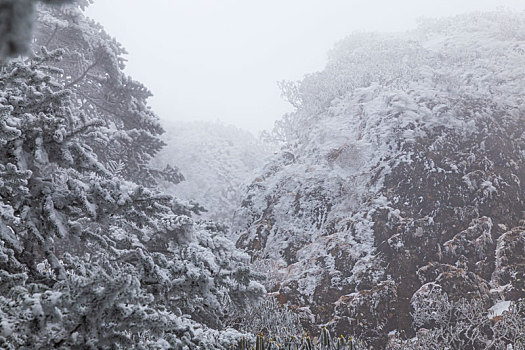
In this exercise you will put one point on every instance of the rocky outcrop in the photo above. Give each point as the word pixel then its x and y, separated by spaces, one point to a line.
pixel 403 166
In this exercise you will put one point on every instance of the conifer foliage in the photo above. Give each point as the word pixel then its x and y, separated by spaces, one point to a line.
pixel 92 68
pixel 90 260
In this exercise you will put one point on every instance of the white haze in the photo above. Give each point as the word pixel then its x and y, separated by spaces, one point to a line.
pixel 220 59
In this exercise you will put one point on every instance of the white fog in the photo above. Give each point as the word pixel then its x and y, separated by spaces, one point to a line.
pixel 221 59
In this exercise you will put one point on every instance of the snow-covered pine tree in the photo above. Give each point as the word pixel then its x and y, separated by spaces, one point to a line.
pixel 88 260
pixel 92 68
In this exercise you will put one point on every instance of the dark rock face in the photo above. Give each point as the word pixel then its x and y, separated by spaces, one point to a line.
pixel 447 230
pixel 400 182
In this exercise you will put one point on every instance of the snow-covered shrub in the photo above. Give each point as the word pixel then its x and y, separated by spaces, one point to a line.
pixel 465 324
pixel 267 317
pixel 301 342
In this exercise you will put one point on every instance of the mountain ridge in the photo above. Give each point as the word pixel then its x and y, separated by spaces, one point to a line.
pixel 401 167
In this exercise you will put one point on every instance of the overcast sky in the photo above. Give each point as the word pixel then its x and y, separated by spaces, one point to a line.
pixel 221 59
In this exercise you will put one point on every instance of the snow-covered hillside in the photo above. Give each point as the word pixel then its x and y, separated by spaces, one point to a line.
pixel 403 167
pixel 216 161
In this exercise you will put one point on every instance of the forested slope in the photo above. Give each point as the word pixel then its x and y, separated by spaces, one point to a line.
pixel 399 180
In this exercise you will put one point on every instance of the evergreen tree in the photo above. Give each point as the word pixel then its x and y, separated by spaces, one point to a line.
pixel 88 260
pixel 92 67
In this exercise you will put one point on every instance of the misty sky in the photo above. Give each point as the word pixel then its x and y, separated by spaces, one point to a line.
pixel 221 59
